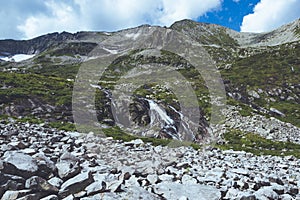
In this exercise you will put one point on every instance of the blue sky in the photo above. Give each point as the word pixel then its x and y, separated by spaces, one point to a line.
pixel 230 14
pixel 23 19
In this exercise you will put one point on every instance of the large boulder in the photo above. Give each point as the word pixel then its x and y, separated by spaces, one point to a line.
pixel 19 164
pixel 171 190
pixel 76 184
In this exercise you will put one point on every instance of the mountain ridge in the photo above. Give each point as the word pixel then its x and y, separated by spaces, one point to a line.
pixel 205 33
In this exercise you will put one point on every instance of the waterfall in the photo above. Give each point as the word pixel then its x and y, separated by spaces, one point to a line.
pixel 159 115
pixel 161 112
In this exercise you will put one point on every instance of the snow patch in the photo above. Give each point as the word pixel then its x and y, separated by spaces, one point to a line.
pixel 17 57
pixel 96 86
pixel 111 51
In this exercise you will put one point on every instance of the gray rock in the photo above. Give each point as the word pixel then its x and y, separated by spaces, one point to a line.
pixel 96 187
pixel 70 197
pixel 12 195
pixel 68 166
pixel 166 177
pixel 36 196
pixel 138 193
pixel 232 193
pixel 293 191
pixel 28 151
pixel 274 110
pixel 19 164
pixel 115 186
pixel 286 197
pixel 247 197
pixel 152 178
pixel 266 192
pixel 279 189
pixel 190 191
pixel 136 142
pixel 211 176
pixel 80 194
pixel 103 196
pixel 187 179
pixel 50 197
pixel 240 171
pixel 253 94
pixel 76 184
pixel 36 183
pixel 57 182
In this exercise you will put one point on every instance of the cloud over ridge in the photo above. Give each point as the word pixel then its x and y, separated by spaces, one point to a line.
pixel 102 15
pixel 270 14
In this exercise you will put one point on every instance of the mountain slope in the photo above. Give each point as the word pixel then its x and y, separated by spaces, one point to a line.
pixel 260 73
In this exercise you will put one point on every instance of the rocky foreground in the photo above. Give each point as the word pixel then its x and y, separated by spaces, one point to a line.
pixel 42 163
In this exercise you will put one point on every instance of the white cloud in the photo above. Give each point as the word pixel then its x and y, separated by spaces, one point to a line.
pixel 181 9
pixel 236 1
pixel 270 14
pixel 61 16
pixel 110 15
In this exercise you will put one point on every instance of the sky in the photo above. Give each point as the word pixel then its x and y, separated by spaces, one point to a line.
pixel 24 19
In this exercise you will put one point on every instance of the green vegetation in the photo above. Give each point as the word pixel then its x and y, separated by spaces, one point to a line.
pixel 250 142
pixel 156 91
pixel 66 126
pixel 276 72
pixel 205 33
pixel 74 48
pixel 244 109
pixel 118 134
pixel 21 87
pixel 67 71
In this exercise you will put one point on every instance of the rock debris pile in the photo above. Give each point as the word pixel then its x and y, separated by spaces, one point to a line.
pixel 42 163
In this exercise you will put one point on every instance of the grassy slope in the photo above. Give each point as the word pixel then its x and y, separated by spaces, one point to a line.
pixel 276 69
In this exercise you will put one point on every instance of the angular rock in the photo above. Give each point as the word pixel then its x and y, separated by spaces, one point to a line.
pixel 76 184
pixel 190 191
pixel 187 179
pixel 266 192
pixel 12 195
pixel 138 193
pixel 36 196
pixel 152 178
pixel 46 166
pixel 50 197
pixel 115 186
pixel 70 197
pixel 56 182
pixel 96 187
pixel 286 197
pixel 80 194
pixel 68 166
pixel 20 164
pixel 36 183
pixel 136 142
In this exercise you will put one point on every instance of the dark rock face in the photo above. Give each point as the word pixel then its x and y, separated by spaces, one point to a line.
pixel 46 42
pixel 35 45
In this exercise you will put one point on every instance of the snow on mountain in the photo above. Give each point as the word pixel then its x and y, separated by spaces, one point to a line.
pixel 17 57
